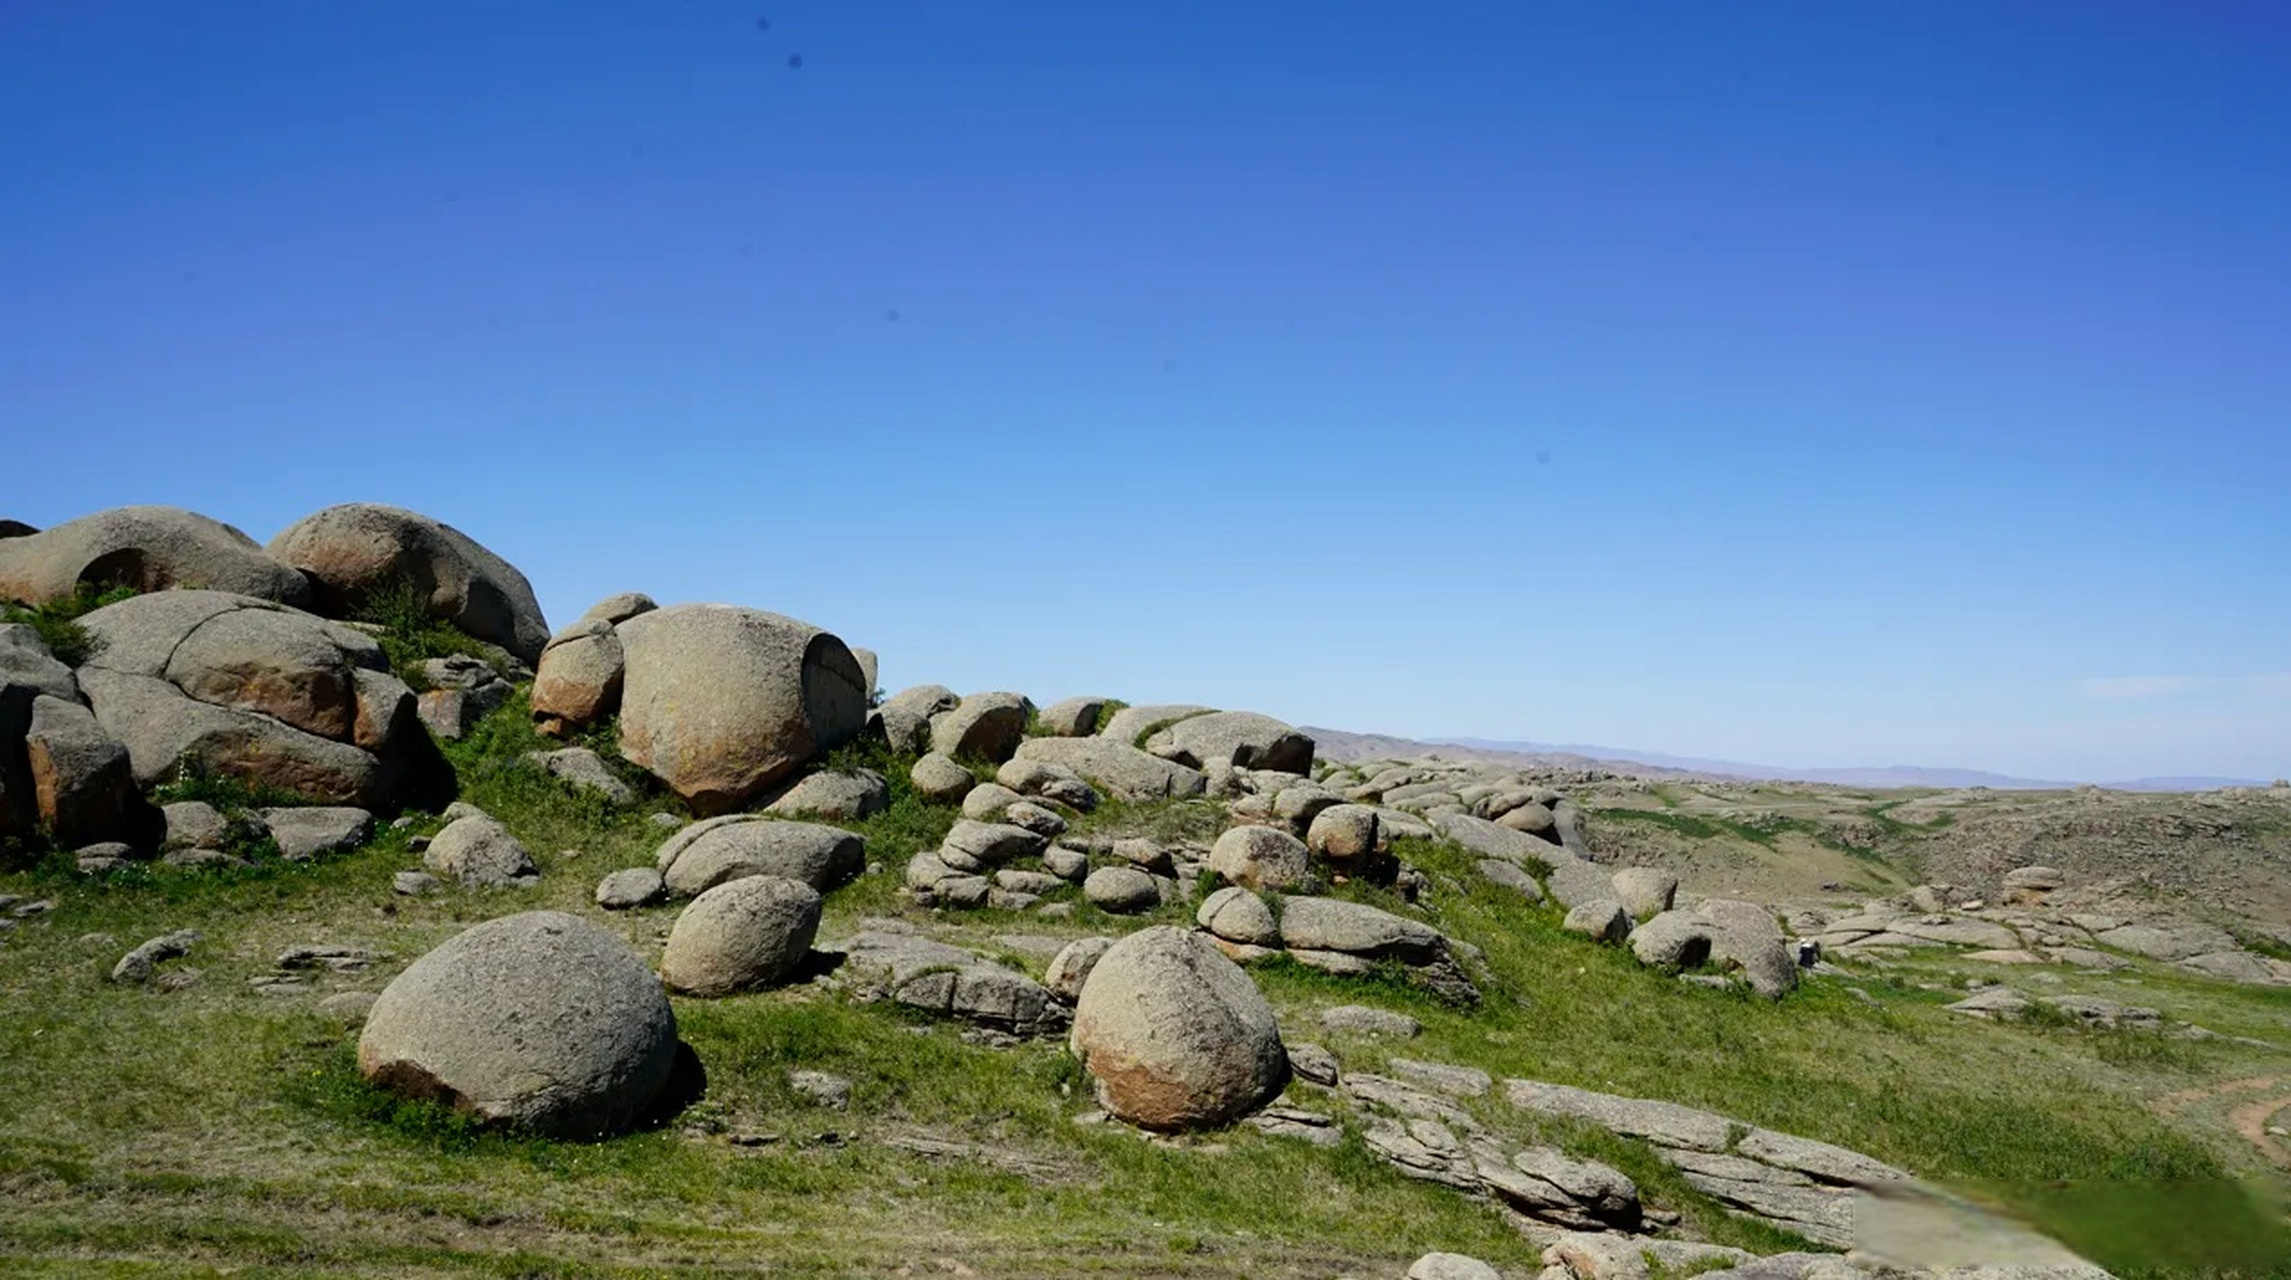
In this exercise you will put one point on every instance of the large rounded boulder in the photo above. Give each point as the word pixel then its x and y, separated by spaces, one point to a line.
pixel 147 548
pixel 720 702
pixel 359 550
pixel 540 1020
pixel 1242 739
pixel 1176 1035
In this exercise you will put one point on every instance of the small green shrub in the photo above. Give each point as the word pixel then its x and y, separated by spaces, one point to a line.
pixel 58 621
pixel 410 636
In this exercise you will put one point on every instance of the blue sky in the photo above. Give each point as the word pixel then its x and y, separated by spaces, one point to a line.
pixel 1806 383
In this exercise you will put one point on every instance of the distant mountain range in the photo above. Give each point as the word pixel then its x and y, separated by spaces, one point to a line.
pixel 1338 744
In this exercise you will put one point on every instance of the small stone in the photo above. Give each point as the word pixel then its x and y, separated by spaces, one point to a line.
pixel 631 887
pixel 1374 1022
pixel 822 1088
pixel 413 884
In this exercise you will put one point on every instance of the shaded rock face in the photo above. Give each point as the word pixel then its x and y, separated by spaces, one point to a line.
pixel 540 1020
pixel 985 725
pixel 720 702
pixel 148 548
pixel 1175 1034
pixel 248 689
pixel 358 550
pixel 81 782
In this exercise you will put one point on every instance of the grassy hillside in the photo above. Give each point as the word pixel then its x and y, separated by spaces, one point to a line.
pixel 221 1127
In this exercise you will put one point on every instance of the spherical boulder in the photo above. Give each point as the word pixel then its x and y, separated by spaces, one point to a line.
pixel 749 933
pixel 720 702
pixel 1260 858
pixel 358 551
pixel 541 1020
pixel 987 726
pixel 578 681
pixel 1176 1035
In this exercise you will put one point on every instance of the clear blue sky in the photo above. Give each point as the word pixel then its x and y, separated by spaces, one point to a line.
pixel 1806 383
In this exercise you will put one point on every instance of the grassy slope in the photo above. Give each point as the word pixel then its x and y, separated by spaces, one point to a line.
pixel 217 1127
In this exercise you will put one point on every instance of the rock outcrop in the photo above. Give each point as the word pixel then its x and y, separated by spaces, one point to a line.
pixel 360 551
pixel 1175 1034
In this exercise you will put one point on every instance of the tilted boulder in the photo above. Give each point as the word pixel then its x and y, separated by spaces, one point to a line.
pixel 1331 924
pixel 1645 891
pixel 616 609
pixel 540 1019
pixel 1072 717
pixel 578 680
pixel 735 846
pixel 148 548
pixel 1748 935
pixel 81 780
pixel 986 726
pixel 1241 739
pixel 720 702
pixel 360 550
pixel 746 933
pixel 1176 1035
pixel 246 688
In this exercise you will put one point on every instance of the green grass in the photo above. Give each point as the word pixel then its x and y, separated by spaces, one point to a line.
pixel 58 621
pixel 218 1128
pixel 410 635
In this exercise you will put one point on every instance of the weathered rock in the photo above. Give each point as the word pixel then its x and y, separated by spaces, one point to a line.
pixel 1047 781
pixel 1510 876
pixel 1451 1266
pixel 1069 865
pixel 1175 1034
pixel 1298 804
pixel 987 801
pixel 939 780
pixel 137 966
pixel 618 608
pixel 1149 854
pixel 1369 1021
pixel 1037 819
pixel 1036 883
pixel 939 978
pixel 719 850
pixel 631 887
pixel 1329 924
pixel 83 786
pixel 720 702
pixel 993 843
pixel 1672 940
pixel 1121 890
pixel 834 797
pixel 1117 767
pixel 1346 835
pixel 477 850
pixel 1748 935
pixel 585 770
pixel 1131 725
pixel 1573 882
pixel 1601 1191
pixel 539 1019
pixel 305 833
pixel 986 726
pixel 1490 840
pixel 1645 891
pixel 1241 739
pixel 1600 920
pixel 148 548
pixel 747 933
pixel 579 678
pixel 1261 858
pixel 1072 717
pixel 360 551
pixel 203 678
pixel 1237 915
pixel 1665 1123
pixel 193 824
pixel 870 667
pixel 2031 885
pixel 904 730
pixel 925 700
pixel 2167 942
pixel 1070 968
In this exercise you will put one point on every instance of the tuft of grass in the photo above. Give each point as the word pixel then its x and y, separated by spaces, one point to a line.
pixel 58 621
pixel 410 635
